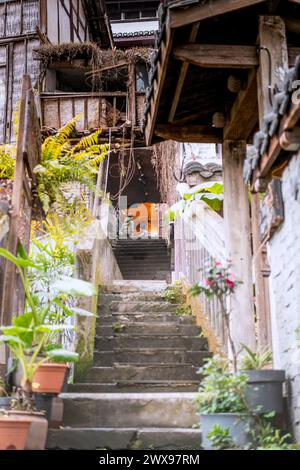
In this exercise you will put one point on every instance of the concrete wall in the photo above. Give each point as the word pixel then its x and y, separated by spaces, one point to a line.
pixel 284 256
pixel 96 263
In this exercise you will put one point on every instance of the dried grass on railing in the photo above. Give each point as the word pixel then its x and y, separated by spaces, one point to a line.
pixel 107 65
pixel 88 50
pixel 164 160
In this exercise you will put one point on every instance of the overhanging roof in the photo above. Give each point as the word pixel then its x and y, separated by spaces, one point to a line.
pixel 201 44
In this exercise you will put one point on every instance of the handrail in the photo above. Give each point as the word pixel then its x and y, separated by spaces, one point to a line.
pixel 199 239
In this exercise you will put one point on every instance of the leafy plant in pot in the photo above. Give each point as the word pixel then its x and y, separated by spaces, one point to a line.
pixel 264 389
pixel 221 402
pixel 4 396
pixel 30 339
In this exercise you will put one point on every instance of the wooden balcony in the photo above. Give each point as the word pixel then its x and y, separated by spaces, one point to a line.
pixel 105 110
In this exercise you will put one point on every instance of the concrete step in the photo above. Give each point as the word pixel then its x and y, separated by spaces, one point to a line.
pixel 142 372
pixel 159 275
pixel 125 286
pixel 130 328
pixel 109 343
pixel 144 306
pixel 121 410
pixel 133 386
pixel 137 317
pixel 124 438
pixel 143 266
pixel 149 356
pixel 131 296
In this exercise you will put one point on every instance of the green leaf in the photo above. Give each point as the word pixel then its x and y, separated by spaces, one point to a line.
pixel 10 339
pixel 75 287
pixel 82 312
pixel 62 355
pixel 52 328
pixel 15 330
pixel 19 262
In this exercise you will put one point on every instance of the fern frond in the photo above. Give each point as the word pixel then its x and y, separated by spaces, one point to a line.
pixel 87 141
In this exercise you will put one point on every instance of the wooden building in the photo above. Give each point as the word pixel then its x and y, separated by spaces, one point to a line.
pixel 24 26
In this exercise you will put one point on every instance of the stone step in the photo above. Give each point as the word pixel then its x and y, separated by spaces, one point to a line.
pixel 151 256
pixel 151 328
pixel 133 386
pixel 133 317
pixel 109 343
pixel 131 296
pixel 150 356
pixel 138 410
pixel 159 275
pixel 142 372
pixel 144 306
pixel 143 266
pixel 124 438
pixel 125 286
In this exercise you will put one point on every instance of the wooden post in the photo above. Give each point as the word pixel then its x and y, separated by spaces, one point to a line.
pixel 273 60
pixel 238 242
pixel 131 94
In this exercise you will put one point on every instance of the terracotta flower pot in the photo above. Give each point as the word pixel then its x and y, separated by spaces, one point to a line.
pixel 37 434
pixel 13 432
pixel 49 378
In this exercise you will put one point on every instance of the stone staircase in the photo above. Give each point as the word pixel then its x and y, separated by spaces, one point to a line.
pixel 143 258
pixel 140 391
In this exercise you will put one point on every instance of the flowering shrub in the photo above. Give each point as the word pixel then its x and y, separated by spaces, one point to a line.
pixel 219 281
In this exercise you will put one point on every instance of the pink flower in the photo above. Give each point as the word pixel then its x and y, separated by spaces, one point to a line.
pixel 218 263
pixel 230 283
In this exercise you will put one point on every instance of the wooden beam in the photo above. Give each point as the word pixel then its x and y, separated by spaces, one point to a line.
pixel 182 75
pixel 192 133
pixel 261 273
pixel 272 38
pixel 161 74
pixel 238 242
pixel 218 56
pixel 244 112
pixel 209 9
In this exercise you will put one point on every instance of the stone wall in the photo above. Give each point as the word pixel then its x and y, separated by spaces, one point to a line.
pixel 284 256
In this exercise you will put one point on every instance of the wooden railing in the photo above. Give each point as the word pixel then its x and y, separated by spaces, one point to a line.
pixel 199 239
pixel 28 155
pixel 96 109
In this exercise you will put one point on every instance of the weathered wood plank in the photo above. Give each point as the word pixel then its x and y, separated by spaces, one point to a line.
pixel 182 76
pixel 191 133
pixel 244 112
pixel 165 54
pixel 206 10
pixel 238 242
pixel 217 55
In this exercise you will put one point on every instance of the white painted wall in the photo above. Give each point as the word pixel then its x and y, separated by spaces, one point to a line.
pixel 134 27
pixel 284 257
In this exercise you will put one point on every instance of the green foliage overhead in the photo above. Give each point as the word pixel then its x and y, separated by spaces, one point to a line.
pixel 211 193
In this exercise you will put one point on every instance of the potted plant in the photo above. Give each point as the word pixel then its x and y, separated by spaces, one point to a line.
pixel 26 344
pixel 32 339
pixel 264 384
pixel 5 399
pixel 221 402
